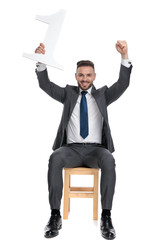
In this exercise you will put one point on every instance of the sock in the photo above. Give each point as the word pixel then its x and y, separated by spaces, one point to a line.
pixel 55 211
pixel 106 212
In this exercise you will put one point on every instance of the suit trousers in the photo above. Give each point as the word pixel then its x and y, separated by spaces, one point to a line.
pixel 81 155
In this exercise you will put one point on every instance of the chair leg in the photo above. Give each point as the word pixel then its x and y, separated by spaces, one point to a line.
pixel 68 204
pixel 95 199
pixel 69 189
pixel 66 195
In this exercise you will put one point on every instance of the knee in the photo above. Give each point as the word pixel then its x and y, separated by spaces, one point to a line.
pixel 108 162
pixel 55 161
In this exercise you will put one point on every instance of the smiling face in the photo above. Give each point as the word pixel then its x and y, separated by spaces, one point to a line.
pixel 85 76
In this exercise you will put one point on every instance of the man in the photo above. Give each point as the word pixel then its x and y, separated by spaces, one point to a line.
pixel 84 138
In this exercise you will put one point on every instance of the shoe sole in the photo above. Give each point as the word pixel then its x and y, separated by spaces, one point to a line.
pixel 111 238
pixel 52 236
pixel 55 232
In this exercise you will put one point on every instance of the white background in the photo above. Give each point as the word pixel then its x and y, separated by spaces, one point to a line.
pixel 29 118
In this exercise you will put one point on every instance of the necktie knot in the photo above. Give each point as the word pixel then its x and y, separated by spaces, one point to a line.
pixel 84 93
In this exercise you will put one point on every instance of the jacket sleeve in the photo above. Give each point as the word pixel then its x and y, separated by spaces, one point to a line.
pixel 53 90
pixel 117 89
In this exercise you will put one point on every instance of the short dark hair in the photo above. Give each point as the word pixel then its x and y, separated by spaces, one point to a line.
pixel 85 63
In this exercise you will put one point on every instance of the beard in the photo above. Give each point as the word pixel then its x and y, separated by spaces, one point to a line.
pixel 85 85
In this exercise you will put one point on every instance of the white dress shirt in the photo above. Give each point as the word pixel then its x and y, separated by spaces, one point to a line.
pixel 95 122
pixel 95 119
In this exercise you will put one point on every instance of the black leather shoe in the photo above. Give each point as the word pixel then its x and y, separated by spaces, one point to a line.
pixel 107 229
pixel 53 226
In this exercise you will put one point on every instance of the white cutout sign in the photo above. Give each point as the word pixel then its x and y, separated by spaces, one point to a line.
pixel 54 22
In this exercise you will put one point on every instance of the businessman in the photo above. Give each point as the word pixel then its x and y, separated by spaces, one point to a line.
pixel 83 138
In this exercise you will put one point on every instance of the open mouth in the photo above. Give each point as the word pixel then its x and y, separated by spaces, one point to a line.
pixel 84 84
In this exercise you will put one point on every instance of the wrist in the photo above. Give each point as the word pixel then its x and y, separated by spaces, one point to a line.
pixel 124 56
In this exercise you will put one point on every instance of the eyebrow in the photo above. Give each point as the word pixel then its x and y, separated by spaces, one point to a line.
pixel 84 74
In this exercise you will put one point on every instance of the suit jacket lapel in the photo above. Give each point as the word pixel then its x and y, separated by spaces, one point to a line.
pixel 74 97
pixel 93 90
pixel 101 104
pixel 98 99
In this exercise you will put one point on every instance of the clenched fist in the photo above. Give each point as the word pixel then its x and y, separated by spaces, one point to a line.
pixel 122 48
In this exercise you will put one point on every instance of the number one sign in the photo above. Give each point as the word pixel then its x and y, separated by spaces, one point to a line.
pixel 54 22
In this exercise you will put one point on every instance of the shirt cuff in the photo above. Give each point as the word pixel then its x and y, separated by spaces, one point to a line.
pixel 40 67
pixel 126 62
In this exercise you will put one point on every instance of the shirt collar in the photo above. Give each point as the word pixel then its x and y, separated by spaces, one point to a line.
pixel 88 90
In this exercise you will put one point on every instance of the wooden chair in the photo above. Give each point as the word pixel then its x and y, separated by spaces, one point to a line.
pixel 80 192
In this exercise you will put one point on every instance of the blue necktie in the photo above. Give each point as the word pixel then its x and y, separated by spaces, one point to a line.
pixel 83 116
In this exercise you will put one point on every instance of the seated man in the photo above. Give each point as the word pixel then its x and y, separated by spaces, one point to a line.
pixel 83 138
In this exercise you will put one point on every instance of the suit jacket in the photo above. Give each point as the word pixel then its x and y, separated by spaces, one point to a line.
pixel 68 96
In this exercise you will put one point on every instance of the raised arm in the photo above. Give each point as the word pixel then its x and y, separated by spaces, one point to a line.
pixel 53 90
pixel 117 89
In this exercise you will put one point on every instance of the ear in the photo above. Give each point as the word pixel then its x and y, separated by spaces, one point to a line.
pixel 76 76
pixel 95 76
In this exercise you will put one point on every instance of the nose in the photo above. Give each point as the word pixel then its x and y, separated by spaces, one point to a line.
pixel 84 77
